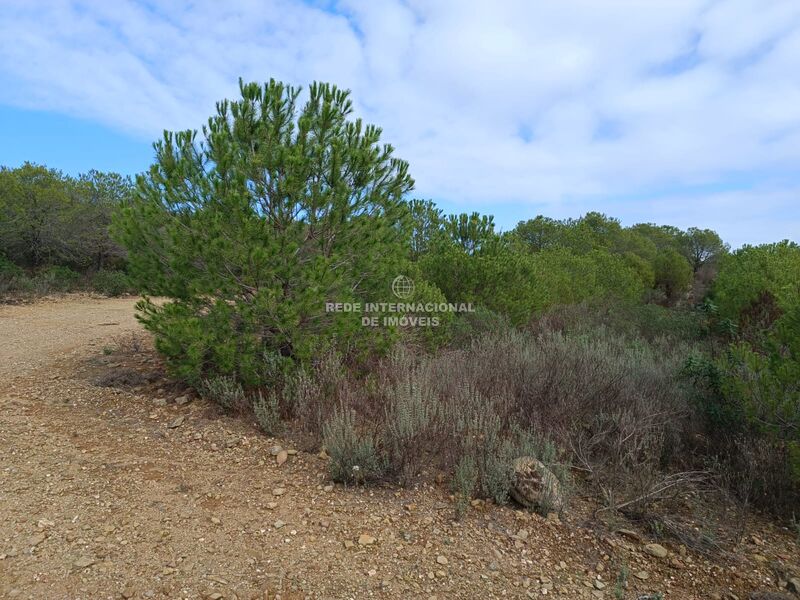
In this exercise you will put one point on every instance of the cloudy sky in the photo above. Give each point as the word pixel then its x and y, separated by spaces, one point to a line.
pixel 672 111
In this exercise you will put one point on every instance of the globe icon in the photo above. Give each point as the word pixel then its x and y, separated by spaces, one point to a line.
pixel 403 287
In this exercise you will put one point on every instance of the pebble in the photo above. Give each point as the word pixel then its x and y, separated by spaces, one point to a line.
pixel 84 562
pixel 278 491
pixel 656 550
pixel 281 457
pixel 643 575
pixel 365 540
pixel 176 422
pixel 442 560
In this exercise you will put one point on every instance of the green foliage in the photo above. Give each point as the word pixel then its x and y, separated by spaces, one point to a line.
pixel 470 232
pixel 564 277
pixel 426 226
pixel 673 274
pixel 353 454
pixel 748 273
pixel 251 227
pixel 112 283
pixel 57 279
pixel 8 269
pixel 702 246
pixel 47 218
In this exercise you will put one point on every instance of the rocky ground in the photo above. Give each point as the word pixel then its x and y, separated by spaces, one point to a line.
pixel 116 483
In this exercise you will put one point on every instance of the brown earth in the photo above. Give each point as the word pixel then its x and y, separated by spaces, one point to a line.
pixel 109 489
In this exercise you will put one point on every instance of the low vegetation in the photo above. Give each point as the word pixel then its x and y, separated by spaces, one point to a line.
pixel 633 362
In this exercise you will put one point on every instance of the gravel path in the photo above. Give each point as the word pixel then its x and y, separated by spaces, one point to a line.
pixel 111 489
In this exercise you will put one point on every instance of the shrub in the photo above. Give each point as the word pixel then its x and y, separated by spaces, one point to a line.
pixel 463 485
pixel 353 454
pixel 267 413
pixel 8 270
pixel 56 279
pixel 112 283
pixel 226 392
pixel 413 421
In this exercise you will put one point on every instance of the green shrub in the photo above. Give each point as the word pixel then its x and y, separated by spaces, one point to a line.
pixel 353 454
pixel 112 283
pixel 56 279
pixel 8 270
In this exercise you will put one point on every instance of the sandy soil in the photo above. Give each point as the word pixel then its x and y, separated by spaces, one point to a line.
pixel 110 489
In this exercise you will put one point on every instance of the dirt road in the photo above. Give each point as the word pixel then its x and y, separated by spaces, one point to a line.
pixel 110 489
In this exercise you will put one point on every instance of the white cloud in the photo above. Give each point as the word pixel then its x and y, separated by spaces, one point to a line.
pixel 512 101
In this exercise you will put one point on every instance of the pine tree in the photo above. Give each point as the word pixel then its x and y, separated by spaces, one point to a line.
pixel 251 226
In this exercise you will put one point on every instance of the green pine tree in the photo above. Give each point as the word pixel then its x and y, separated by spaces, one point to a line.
pixel 252 225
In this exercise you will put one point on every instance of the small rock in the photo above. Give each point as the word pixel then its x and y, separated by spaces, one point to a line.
pixel 348 544
pixel 278 524
pixel 278 491
pixel 365 540
pixel 656 550
pixel 36 539
pixel 630 534
pixel 160 401
pixel 281 457
pixel 328 488
pixel 643 575
pixel 676 564
pixel 215 596
pixel 599 584
pixel 176 422
pixel 553 519
pixel 83 562
pixel 215 520
pixel 181 400
pixel 441 559
pixel 275 450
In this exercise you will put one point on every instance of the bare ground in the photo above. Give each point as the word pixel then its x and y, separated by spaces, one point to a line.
pixel 108 489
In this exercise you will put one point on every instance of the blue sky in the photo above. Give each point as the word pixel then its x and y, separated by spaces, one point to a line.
pixel 674 111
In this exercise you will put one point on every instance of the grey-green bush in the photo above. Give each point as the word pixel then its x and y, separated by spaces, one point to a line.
pixel 353 454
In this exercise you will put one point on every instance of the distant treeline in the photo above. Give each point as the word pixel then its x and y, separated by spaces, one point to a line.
pixel 54 231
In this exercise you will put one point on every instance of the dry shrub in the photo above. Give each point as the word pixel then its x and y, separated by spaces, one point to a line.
pixel 354 457
pixel 226 392
pixel 615 404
